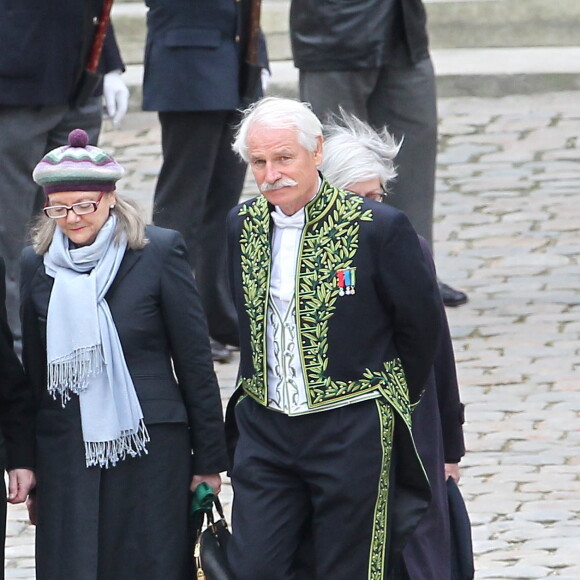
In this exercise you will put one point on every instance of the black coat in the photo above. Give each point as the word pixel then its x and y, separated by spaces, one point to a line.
pixel 16 404
pixel 438 435
pixel 194 55
pixel 358 34
pixel 160 322
pixel 118 513
pixel 44 46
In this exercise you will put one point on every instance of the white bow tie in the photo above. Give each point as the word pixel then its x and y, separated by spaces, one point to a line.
pixel 289 221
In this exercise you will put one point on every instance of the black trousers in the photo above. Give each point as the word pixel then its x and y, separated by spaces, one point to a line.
pixel 322 476
pixel 200 181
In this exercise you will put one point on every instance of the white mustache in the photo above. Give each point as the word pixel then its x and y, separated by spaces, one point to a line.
pixel 283 182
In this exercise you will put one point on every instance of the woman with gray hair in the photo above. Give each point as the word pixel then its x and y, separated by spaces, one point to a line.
pixel 355 153
pixel 128 412
pixel 351 139
pixel 361 160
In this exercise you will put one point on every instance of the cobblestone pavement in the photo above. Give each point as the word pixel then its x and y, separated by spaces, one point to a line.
pixel 508 213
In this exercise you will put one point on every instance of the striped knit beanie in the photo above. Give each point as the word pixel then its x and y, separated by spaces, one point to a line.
pixel 77 166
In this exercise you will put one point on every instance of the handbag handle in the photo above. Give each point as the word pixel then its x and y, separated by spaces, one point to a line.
pixel 218 506
pixel 200 574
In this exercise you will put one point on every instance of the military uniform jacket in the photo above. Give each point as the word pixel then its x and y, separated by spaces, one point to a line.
pixel 44 46
pixel 195 53
pixel 379 333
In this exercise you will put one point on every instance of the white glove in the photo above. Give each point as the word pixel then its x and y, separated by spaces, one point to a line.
pixel 115 95
pixel 265 78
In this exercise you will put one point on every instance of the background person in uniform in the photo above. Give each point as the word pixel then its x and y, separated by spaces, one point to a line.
pixel 128 410
pixel 193 74
pixel 371 57
pixel 16 422
pixel 44 47
pixel 358 159
pixel 339 322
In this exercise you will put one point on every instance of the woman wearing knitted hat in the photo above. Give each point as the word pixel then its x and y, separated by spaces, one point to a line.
pixel 128 413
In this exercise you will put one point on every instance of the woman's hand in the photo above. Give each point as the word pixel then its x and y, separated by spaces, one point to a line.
pixel 214 481
pixel 452 470
pixel 20 482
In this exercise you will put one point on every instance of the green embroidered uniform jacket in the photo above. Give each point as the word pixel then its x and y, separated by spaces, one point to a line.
pixel 380 333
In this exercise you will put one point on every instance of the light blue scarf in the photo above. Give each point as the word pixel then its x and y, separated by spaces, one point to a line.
pixel 84 353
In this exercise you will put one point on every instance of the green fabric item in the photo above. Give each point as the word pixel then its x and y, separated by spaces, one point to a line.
pixel 202 501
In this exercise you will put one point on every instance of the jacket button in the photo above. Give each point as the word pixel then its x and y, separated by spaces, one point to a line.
pixel 237 39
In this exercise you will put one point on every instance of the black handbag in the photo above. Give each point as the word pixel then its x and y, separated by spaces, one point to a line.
pixel 212 536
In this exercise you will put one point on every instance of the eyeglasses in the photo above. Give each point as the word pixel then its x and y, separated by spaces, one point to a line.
pixel 379 196
pixel 375 196
pixel 82 208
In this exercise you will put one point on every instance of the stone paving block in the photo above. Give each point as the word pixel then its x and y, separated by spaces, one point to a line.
pixel 560 155
pixel 484 546
pixel 465 153
pixel 513 153
pixel 571 504
pixel 20 551
pixel 538 459
pixel 543 516
pixel 21 574
pixel 547 486
pixel 519 572
pixel 467 219
pixel 511 533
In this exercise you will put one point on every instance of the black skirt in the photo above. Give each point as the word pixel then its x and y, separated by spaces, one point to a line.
pixel 129 521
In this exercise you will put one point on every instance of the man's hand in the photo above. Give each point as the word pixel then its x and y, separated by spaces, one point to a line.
pixel 116 96
pixel 452 470
pixel 20 482
pixel 214 481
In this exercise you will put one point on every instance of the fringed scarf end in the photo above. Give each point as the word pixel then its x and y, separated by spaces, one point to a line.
pixel 108 453
pixel 71 373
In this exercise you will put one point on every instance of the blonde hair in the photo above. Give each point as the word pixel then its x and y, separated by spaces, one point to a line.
pixel 129 221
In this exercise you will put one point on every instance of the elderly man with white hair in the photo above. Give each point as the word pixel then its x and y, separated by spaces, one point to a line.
pixel 339 323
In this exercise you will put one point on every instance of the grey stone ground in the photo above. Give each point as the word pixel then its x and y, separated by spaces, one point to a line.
pixel 508 214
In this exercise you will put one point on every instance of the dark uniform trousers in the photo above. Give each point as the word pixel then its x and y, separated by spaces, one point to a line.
pixel 315 476
pixel 200 181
